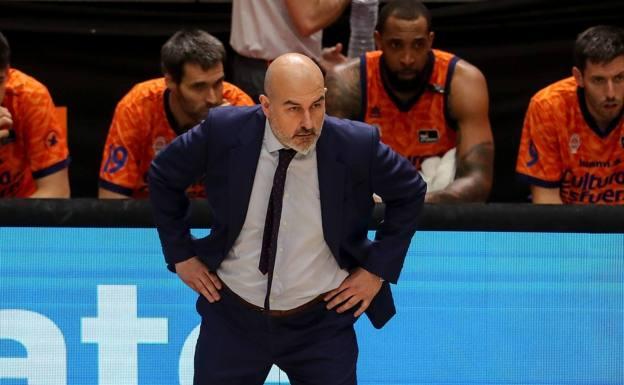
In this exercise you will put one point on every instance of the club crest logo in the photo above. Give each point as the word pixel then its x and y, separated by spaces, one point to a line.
pixel 575 143
pixel 159 144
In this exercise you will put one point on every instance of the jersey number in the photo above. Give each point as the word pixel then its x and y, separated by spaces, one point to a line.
pixel 117 157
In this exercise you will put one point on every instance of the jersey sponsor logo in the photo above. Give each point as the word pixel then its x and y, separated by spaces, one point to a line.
pixel 609 196
pixel 594 163
pixel 589 181
pixel 51 139
pixel 534 156
pixel 375 112
pixel 590 188
pixel 159 144
pixel 428 135
pixel 575 143
pixel 117 158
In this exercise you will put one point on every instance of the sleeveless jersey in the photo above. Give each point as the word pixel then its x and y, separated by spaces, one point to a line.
pixel 562 147
pixel 420 130
pixel 139 130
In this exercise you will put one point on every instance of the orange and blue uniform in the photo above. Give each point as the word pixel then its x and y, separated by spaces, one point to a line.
pixel 142 126
pixel 420 128
pixel 562 147
pixel 38 144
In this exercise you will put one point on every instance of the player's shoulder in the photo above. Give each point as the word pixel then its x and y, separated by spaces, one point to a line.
pixel 347 69
pixel 145 93
pixel 564 90
pixel 230 87
pixel 147 89
pixel 466 72
pixel 444 56
pixel 235 95
pixel 20 83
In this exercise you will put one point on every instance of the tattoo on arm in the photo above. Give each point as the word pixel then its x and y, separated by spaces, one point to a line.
pixel 473 177
pixel 343 92
pixel 479 159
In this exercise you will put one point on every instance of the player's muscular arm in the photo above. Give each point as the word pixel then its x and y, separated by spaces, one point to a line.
pixel 469 104
pixel 108 194
pixel 343 91
pixel 543 195
pixel 53 186
pixel 311 16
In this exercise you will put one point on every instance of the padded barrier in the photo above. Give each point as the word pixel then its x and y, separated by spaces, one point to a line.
pixel 460 217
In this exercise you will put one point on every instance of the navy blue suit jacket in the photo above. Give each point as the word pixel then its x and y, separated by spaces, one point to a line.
pixel 352 164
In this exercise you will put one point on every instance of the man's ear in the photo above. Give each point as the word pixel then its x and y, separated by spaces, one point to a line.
pixel 377 37
pixel 578 76
pixel 264 102
pixel 171 85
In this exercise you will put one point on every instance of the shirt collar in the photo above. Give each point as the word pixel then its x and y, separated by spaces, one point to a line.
pixel 270 141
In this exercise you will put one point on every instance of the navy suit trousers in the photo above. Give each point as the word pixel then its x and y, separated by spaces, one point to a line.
pixel 238 345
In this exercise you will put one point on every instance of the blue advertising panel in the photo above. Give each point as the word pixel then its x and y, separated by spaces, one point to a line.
pixel 87 306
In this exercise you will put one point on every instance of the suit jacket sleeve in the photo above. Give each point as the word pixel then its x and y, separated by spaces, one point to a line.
pixel 179 165
pixel 402 189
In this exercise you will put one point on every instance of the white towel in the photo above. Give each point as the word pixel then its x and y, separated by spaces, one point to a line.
pixel 439 172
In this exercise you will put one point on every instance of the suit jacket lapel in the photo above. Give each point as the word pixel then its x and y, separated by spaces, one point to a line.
pixel 242 164
pixel 331 174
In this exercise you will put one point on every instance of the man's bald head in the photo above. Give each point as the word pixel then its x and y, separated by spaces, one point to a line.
pixel 292 71
pixel 294 101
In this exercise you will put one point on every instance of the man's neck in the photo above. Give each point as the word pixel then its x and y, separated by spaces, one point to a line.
pixel 592 117
pixel 181 119
pixel 605 125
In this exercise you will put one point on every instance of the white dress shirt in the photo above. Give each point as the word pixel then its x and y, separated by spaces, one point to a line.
pixel 304 265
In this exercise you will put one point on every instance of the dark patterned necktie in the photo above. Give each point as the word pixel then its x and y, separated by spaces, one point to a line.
pixel 274 212
pixel 272 221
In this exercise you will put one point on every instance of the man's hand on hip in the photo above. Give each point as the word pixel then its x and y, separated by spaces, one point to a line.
pixel 360 287
pixel 197 276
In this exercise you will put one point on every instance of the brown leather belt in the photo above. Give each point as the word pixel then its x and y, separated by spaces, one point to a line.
pixel 277 313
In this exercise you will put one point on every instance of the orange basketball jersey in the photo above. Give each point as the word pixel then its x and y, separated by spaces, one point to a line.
pixel 140 129
pixel 562 147
pixel 417 130
pixel 37 146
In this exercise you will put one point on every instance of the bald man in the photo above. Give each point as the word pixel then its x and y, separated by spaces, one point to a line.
pixel 287 268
